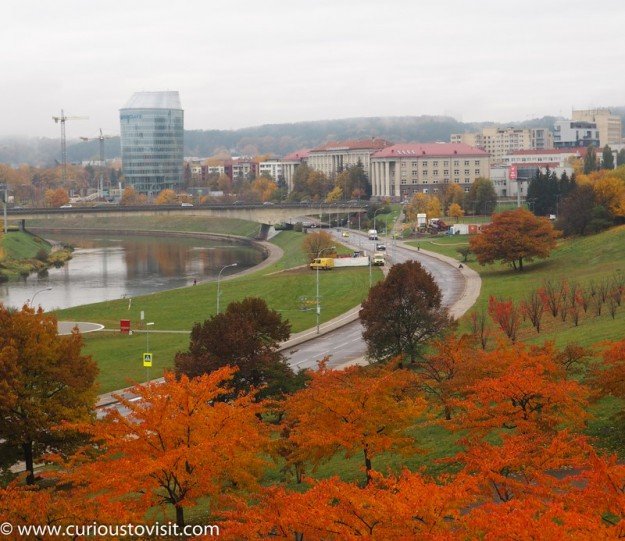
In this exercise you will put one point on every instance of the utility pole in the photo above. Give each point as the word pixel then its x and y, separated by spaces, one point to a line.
pixel 101 139
pixel 61 120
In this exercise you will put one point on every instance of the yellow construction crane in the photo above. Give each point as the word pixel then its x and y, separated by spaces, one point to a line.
pixel 100 138
pixel 61 120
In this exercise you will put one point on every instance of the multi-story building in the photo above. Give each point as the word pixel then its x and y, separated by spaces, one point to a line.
pixel 152 139
pixel 273 168
pixel 401 170
pixel 500 141
pixel 555 157
pixel 290 163
pixel 575 133
pixel 336 156
pixel 609 125
pixel 241 169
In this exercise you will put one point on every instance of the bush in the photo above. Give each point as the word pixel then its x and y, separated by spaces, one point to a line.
pixel 42 255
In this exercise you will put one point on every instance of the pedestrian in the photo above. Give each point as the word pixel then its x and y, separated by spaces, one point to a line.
pixel 194 281
pixel 418 247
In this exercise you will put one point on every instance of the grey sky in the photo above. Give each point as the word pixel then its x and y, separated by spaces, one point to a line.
pixel 242 63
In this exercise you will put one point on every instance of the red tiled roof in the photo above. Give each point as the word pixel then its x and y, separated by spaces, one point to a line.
pixel 521 165
pixel 352 144
pixel 429 149
pixel 297 156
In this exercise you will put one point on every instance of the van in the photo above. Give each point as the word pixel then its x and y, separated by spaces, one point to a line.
pixel 322 263
pixel 373 234
pixel 378 259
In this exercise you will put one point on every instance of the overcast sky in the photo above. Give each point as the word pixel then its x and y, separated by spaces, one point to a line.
pixel 239 63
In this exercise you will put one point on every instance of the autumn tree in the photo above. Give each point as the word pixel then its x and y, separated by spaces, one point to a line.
pixel 130 197
pixel 247 335
pixel 452 194
pixel 336 194
pixel 44 379
pixel 166 197
pixel 355 410
pixel 506 314
pixel 180 441
pixel 514 237
pixel 455 211
pixel 263 188
pixel 56 198
pixel 402 312
pixel 314 243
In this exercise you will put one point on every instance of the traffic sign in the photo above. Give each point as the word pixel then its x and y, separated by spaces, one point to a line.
pixel 147 360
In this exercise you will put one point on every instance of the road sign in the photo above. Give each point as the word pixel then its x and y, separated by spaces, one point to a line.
pixel 147 360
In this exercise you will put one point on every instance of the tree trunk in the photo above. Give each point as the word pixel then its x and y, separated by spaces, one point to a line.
pixel 447 413
pixel 179 516
pixel 28 459
pixel 520 263
pixel 367 466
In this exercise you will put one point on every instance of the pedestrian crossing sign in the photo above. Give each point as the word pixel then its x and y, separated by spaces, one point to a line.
pixel 147 360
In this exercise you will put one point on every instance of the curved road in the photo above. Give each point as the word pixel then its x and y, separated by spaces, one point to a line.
pixel 346 344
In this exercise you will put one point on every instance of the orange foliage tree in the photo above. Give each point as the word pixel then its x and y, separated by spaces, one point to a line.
pixel 514 237
pixel 356 410
pixel 166 197
pixel 314 243
pixel 131 197
pixel 180 442
pixel 405 507
pixel 56 198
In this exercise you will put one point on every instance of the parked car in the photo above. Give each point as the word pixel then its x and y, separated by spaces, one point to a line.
pixel 345 234
pixel 380 247
pixel 186 204
pixel 67 206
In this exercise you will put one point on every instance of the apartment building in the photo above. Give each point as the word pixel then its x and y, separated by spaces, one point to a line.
pixel 500 141
pixel 241 168
pixel 273 168
pixel 401 170
pixel 609 125
pixel 335 156
pixel 575 133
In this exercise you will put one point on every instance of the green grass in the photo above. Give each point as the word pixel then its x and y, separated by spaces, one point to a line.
pixel 340 290
pixel 154 223
pixel 22 245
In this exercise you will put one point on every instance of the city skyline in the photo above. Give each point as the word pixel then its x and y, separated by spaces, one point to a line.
pixel 248 64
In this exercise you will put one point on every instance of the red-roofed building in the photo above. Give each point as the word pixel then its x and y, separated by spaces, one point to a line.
pixel 333 157
pixel 399 171
pixel 290 163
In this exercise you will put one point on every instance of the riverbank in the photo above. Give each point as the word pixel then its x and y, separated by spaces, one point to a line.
pixel 23 253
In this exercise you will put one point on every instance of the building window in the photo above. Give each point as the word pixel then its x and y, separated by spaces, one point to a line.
pixel 457 180
pixel 466 189
pixel 477 172
pixel 425 172
pixel 456 163
pixel 435 164
pixel 425 163
pixel 414 173
pixel 435 172
pixel 446 172
pixel 425 190
pixel 477 162
pixel 456 171
pixel 446 163
pixel 466 180
pixel 466 162
pixel 466 171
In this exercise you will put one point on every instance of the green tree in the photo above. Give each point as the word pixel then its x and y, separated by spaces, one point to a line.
pixel 575 212
pixel 620 157
pixel 246 336
pixel 482 197
pixel 402 312
pixel 590 160
pixel 44 381
pixel 607 158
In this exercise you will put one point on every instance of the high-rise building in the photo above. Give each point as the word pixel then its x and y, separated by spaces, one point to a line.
pixel 152 139
pixel 609 125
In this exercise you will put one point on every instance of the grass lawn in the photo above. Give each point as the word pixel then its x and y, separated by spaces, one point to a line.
pixel 21 245
pixel 285 290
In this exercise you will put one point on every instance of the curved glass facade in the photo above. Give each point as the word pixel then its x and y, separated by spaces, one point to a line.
pixel 152 142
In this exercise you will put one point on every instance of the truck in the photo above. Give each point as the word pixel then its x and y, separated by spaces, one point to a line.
pixel 322 263
pixel 373 234
pixel 378 259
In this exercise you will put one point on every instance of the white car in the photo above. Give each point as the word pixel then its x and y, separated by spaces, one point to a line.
pixel 186 204
pixel 67 206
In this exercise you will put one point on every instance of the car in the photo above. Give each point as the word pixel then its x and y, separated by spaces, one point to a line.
pixel 268 203
pixel 186 204
pixel 67 206
pixel 380 247
pixel 345 234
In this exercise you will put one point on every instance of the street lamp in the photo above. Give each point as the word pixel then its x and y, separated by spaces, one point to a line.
pixel 218 280
pixel 318 305
pixel 147 346
pixel 30 302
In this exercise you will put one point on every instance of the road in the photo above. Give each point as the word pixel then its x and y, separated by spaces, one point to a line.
pixel 346 344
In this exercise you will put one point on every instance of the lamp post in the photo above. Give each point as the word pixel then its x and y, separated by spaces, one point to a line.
pixel 318 305
pixel 147 347
pixel 5 200
pixel 30 302
pixel 218 282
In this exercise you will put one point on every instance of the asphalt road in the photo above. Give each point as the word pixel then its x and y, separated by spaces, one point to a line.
pixel 346 344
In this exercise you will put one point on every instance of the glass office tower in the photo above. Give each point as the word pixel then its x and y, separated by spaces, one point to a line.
pixel 152 138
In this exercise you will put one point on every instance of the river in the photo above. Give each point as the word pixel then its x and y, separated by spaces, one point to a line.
pixel 112 267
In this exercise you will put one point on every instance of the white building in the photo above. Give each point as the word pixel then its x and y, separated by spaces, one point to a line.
pixel 336 156
pixel 273 168
pixel 290 163
pixel 609 125
pixel 575 133
pixel 401 170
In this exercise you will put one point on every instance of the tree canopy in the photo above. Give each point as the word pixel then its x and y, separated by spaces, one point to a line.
pixel 514 237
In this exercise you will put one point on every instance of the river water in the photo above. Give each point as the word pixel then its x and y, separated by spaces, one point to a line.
pixel 112 267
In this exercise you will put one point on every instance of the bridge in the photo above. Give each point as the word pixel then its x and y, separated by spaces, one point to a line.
pixel 262 213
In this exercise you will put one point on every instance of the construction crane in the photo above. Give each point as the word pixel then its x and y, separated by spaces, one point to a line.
pixel 61 120
pixel 100 138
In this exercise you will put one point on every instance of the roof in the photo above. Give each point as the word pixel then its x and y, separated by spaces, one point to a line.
pixel 430 149
pixel 579 150
pixel 154 100
pixel 353 144
pixel 297 156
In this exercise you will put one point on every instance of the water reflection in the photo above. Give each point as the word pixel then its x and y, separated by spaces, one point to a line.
pixel 105 268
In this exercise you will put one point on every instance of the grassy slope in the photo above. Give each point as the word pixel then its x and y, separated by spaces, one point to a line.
pixel 119 357
pixel 21 245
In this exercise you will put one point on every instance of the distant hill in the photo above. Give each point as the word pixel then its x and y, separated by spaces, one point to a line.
pixel 274 139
